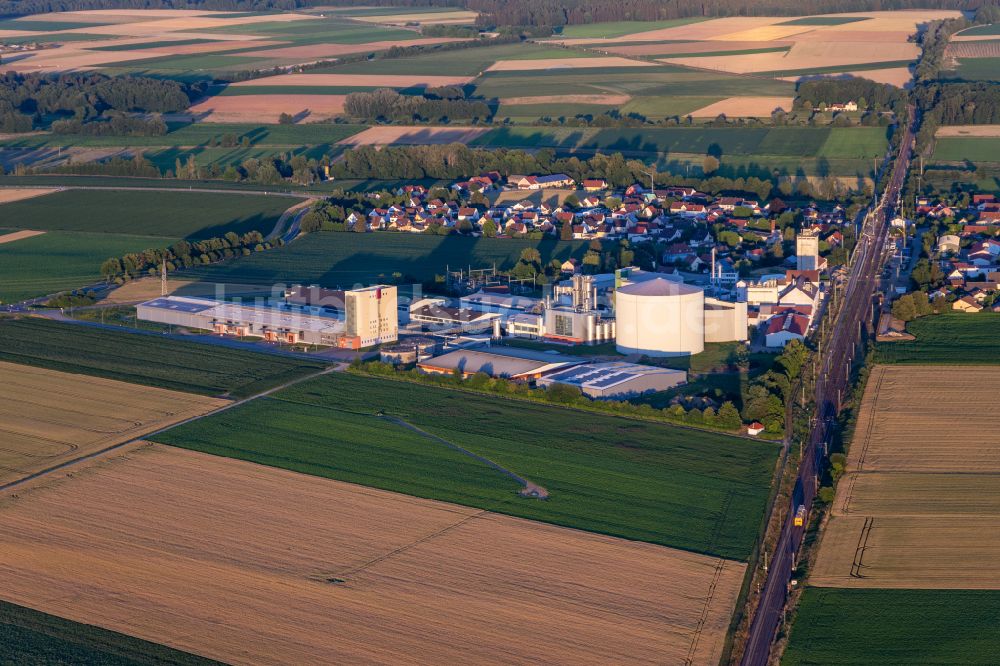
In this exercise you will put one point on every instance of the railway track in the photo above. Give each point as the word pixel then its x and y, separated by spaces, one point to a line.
pixel 838 357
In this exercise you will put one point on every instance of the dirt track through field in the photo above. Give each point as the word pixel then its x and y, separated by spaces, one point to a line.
pixel 919 505
pixel 48 417
pixel 257 565
pixel 19 235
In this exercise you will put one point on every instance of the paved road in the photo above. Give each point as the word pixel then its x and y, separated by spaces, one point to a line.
pixel 836 360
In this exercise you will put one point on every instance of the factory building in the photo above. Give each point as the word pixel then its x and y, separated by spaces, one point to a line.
pixel 518 365
pixel 371 316
pixel 725 321
pixel 660 317
pixel 274 324
pixel 807 252
pixel 616 380
pixel 578 321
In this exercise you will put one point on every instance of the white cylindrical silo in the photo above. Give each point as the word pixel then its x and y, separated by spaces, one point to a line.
pixel 660 317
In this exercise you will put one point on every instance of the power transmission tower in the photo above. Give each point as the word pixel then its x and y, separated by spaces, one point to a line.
pixel 163 278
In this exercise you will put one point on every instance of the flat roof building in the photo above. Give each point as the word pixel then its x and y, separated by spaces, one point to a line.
pixel 616 379
pixel 520 365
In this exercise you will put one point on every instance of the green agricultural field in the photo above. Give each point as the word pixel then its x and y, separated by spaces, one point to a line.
pixel 55 37
pixel 332 258
pixel 639 480
pixel 199 134
pixel 149 359
pixel 45 26
pixel 620 28
pixel 60 261
pixel 854 143
pixel 467 62
pixel 825 20
pixel 982 30
pixel 661 80
pixel 837 69
pixel 912 627
pixel 31 637
pixel 978 69
pixel 960 149
pixel 790 141
pixel 168 215
pixel 197 62
pixel 666 106
pixel 952 338
pixel 532 112
pixel 166 158
pixel 152 45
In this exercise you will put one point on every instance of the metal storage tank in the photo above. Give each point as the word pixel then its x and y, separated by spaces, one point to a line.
pixel 660 317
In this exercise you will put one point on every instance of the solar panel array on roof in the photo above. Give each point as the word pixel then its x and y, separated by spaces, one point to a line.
pixel 610 380
pixel 189 306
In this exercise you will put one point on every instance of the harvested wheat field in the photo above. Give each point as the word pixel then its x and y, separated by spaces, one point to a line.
pixel 19 235
pixel 370 80
pixel 804 55
pixel 968 131
pixel 670 48
pixel 400 134
pixel 744 106
pixel 565 63
pixel 7 195
pixel 266 108
pixel 918 506
pixel 144 289
pixel 257 565
pixel 896 76
pixel 47 417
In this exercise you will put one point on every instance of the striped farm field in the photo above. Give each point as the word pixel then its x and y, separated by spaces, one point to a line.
pixel 153 543
pixel 49 417
pixel 918 504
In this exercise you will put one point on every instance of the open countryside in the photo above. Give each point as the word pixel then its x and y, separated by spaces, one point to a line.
pixel 616 476
pixel 446 577
pixel 512 332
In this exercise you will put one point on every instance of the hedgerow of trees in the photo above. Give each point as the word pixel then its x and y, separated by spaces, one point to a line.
pixel 26 98
pixel 183 254
pixel 436 105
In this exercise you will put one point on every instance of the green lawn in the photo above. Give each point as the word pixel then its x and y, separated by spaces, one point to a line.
pixel 333 258
pixel 620 28
pixel 28 636
pixel 952 338
pixel 169 215
pixel 151 360
pixel 905 627
pixel 639 480
pixel 60 261
pixel 959 149
pixel 978 69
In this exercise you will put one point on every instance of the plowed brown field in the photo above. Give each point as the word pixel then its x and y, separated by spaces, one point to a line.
pixel 48 417
pixel 919 506
pixel 257 565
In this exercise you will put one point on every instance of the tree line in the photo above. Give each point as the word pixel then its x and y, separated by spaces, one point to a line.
pixel 183 254
pixel 557 13
pixel 26 98
pixel 386 104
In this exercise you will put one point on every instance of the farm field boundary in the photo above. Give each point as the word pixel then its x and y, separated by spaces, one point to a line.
pixel 623 477
pixel 49 417
pixel 169 526
pixel 917 506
